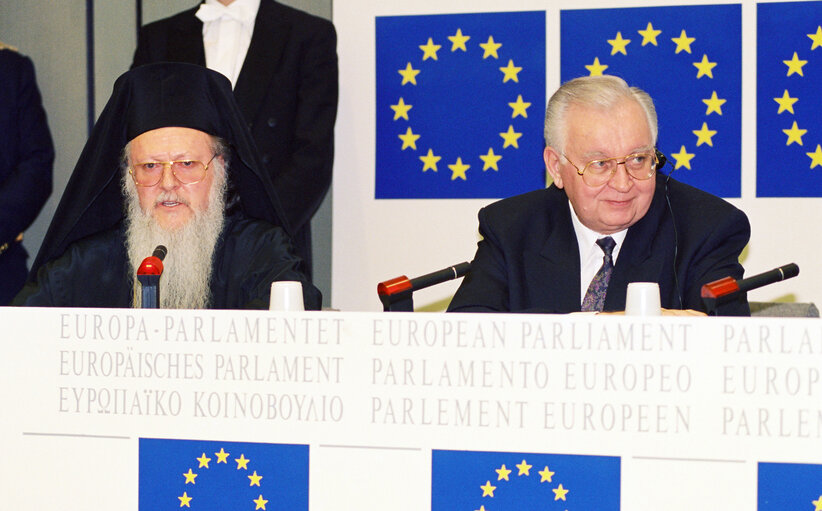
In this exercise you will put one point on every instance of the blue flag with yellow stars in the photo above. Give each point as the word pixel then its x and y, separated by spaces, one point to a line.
pixel 460 105
pixel 505 481
pixel 783 486
pixel 206 475
pixel 789 71
pixel 689 60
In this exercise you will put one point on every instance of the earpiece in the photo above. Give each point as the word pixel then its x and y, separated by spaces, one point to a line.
pixel 661 159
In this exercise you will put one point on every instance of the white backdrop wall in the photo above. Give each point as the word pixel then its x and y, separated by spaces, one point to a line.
pixel 375 240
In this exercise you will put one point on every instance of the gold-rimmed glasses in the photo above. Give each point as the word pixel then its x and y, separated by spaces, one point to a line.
pixel 187 172
pixel 641 166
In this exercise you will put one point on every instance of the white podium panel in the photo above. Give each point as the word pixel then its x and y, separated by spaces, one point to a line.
pixel 681 413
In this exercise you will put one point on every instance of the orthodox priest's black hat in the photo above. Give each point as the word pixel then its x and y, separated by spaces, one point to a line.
pixel 149 97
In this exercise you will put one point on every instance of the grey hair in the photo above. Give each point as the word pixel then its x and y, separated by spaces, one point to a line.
pixel 592 91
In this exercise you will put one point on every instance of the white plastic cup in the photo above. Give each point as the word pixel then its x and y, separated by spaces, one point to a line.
pixel 286 295
pixel 642 299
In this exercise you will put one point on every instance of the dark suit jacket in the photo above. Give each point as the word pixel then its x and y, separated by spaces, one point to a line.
pixel 26 159
pixel 287 91
pixel 529 257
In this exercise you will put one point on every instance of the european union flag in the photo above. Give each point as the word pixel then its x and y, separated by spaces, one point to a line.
pixel 506 481
pixel 206 475
pixel 789 70
pixel 689 60
pixel 460 105
pixel 784 486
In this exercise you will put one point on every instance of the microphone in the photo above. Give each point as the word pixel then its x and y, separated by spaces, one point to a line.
pixel 723 290
pixel 395 294
pixel 149 274
pixel 153 265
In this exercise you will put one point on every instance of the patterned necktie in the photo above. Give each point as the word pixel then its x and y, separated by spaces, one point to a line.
pixel 595 296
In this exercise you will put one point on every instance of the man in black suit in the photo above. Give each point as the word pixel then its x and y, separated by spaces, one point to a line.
pixel 545 251
pixel 285 84
pixel 26 159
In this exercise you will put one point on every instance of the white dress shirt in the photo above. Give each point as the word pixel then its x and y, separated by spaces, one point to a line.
pixel 590 254
pixel 227 34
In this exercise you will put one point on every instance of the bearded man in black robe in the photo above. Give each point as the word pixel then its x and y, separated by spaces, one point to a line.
pixel 170 163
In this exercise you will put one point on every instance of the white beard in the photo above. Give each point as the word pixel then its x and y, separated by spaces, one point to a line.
pixel 185 283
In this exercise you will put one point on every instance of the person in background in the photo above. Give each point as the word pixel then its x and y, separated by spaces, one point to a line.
pixel 26 160
pixel 282 64
pixel 608 219
pixel 169 162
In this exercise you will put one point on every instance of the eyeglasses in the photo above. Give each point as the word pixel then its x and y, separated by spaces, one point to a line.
pixel 598 172
pixel 188 172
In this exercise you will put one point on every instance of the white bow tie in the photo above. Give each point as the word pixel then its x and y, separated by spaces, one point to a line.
pixel 236 11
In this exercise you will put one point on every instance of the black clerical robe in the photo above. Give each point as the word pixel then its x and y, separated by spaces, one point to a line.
pixel 94 271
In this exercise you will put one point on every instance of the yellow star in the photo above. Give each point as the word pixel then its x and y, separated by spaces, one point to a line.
pixel 502 472
pixel 430 161
pixel 429 49
pixel 510 71
pixel 704 135
pixel 817 503
pixel 401 110
pixel 618 44
pixel 409 139
pixel 242 462
pixel 714 104
pixel 519 107
pixel 203 459
pixel 649 35
pixel 510 137
pixel 683 158
pixel 490 161
pixel 786 102
pixel 683 42
pixel 816 38
pixel 524 468
pixel 547 474
pixel 409 74
pixel 795 65
pixel 482 508
pixel 705 67
pixel 458 40
pixel 185 500
pixel 596 69
pixel 190 476
pixel 255 479
pixel 260 501
pixel 458 171
pixel 816 159
pixel 222 456
pixel 487 489
pixel 794 134
pixel 490 48
pixel 559 492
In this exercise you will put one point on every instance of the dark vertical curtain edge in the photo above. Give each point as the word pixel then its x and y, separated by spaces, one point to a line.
pixel 90 63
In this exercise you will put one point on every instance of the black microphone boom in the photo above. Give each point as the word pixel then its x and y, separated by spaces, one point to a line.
pixel 724 290
pixel 396 294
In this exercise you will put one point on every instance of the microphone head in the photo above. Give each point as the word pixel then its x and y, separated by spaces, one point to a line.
pixel 789 271
pixel 160 252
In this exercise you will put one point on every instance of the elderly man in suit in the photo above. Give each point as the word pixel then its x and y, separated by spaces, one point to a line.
pixel 608 219
pixel 282 64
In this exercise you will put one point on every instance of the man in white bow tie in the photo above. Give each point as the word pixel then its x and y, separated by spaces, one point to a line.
pixel 282 64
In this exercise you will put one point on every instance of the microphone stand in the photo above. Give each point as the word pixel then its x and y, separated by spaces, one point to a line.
pixel 396 294
pixel 726 289
pixel 149 275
